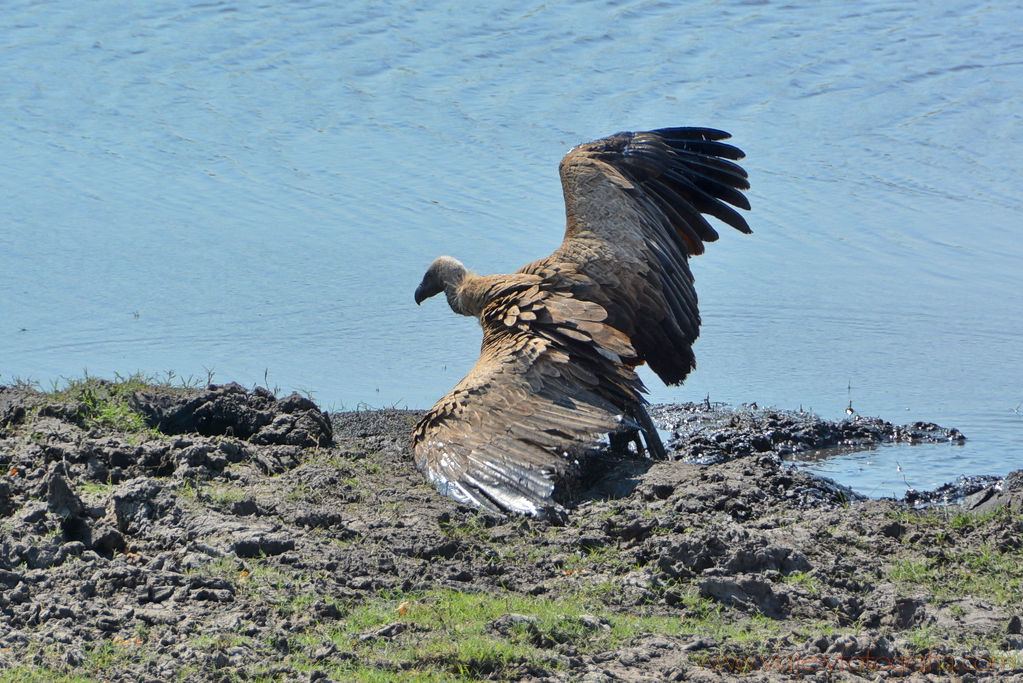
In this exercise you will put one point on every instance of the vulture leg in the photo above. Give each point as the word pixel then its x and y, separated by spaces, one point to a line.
pixel 653 447
pixel 653 439
pixel 621 441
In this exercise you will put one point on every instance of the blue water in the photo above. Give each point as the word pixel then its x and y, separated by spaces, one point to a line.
pixel 256 191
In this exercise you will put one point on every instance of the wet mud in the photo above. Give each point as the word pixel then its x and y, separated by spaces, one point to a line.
pixel 236 534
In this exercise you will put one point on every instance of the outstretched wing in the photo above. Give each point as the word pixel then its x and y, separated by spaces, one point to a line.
pixel 542 395
pixel 635 205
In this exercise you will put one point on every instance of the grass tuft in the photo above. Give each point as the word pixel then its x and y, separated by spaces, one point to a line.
pixel 105 403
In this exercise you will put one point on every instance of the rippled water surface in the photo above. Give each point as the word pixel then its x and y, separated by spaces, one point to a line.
pixel 256 190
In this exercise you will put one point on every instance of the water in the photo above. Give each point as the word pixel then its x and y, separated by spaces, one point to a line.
pixel 256 191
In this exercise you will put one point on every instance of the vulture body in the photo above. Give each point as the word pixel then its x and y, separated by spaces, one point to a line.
pixel 562 335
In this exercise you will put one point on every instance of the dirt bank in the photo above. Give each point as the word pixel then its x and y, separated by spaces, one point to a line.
pixel 166 534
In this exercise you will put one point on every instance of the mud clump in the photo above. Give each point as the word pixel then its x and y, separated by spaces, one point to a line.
pixel 221 534
pixel 229 410
pixel 713 432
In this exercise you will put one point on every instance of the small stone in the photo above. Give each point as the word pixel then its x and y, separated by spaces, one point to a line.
pixel 244 508
pixel 154 615
pixel 594 623
pixel 20 594
pixel 325 652
pixel 108 622
pixel 60 498
pixel 506 622
pixel 108 539
pixel 74 548
pixel 32 512
pixel 256 544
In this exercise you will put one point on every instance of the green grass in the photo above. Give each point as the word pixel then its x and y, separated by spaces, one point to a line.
pixel 454 620
pixel 288 593
pixel 959 521
pixel 914 571
pixel 964 569
pixel 222 495
pixel 104 403
pixel 922 639
pixel 93 489
pixel 447 633
pixel 190 491
pixel 982 572
pixel 100 659
pixel 473 527
pixel 809 583
pixel 447 637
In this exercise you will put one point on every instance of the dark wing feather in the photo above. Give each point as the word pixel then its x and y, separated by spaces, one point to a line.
pixel 544 391
pixel 634 204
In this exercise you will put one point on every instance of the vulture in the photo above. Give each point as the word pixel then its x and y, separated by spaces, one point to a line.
pixel 556 380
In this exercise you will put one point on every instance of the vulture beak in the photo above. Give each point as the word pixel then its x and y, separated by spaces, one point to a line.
pixel 427 288
pixel 421 295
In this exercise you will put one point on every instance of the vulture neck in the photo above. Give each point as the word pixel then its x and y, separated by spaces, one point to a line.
pixel 464 296
pixel 473 293
pixel 448 275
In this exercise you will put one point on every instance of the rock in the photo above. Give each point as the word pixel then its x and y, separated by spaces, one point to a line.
pixel 160 593
pixel 978 616
pixel 7 503
pixel 1007 494
pixel 211 594
pixel 97 469
pixel 713 433
pixel 746 592
pixel 14 404
pixel 505 623
pixel 19 595
pixel 230 410
pixel 699 643
pixel 46 554
pixel 136 503
pixel 594 623
pixel 60 498
pixel 228 621
pixel 256 544
pixel 278 459
pixel 325 652
pixel 113 621
pixel 106 539
pixel 389 631
pixel 244 507
pixel 9 578
pixel 32 512
pixel 74 548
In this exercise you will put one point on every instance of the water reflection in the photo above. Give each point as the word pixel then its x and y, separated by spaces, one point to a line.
pixel 889 470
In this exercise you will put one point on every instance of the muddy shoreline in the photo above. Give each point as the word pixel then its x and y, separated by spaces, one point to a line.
pixel 151 533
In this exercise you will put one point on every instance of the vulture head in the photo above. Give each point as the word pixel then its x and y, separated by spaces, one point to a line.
pixel 443 275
